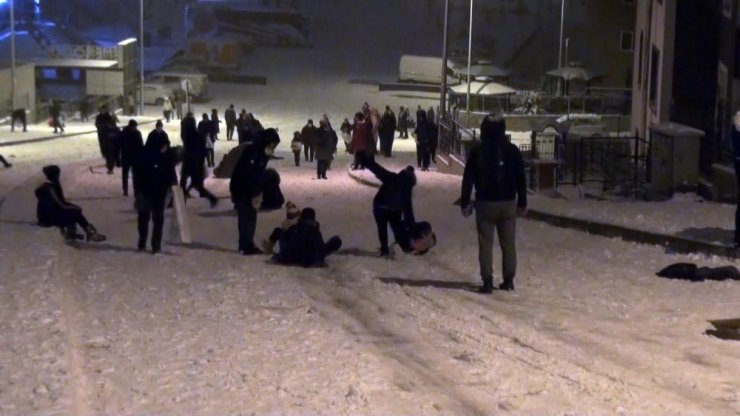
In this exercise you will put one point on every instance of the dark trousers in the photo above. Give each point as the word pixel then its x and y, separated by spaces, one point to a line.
pixel 125 170
pixel 423 156
pixel 332 245
pixel 247 223
pixel 111 155
pixel 57 124
pixel 433 151
pixel 404 132
pixel 211 158
pixel 418 154
pixel 386 143
pixel 297 156
pixel 500 217
pixel 383 218
pixel 151 209
pixel 737 212
pixel 321 167
pixel 194 171
pixel 230 127
pixel 16 116
pixel 309 152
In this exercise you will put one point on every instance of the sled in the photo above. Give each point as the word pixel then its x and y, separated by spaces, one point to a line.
pixel 725 328
pixel 181 214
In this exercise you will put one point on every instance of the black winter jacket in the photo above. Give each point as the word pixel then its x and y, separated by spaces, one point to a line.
pixel 395 193
pixel 496 169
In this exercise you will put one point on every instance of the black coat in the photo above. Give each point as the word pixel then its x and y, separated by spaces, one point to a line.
pixel 388 124
pixel 154 173
pixel 248 177
pixel 495 168
pixel 302 245
pixel 194 145
pixel 230 116
pixel 310 135
pixel 157 139
pixel 102 121
pixel 326 144
pixel 131 144
pixel 395 193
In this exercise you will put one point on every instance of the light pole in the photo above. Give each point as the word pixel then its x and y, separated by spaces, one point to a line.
pixel 12 55
pixel 443 92
pixel 141 57
pixel 560 47
pixel 470 55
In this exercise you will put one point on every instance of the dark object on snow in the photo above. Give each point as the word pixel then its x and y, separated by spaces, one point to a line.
pixel 272 196
pixel 423 238
pixel 303 245
pixel 728 329
pixel 693 273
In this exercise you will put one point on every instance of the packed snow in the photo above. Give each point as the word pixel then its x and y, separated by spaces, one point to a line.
pixel 102 329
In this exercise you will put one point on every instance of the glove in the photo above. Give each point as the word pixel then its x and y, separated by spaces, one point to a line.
pixel 467 211
pixel 257 202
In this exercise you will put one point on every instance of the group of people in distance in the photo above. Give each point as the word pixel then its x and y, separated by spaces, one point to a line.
pixel 495 170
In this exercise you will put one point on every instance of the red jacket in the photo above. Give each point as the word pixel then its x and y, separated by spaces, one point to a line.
pixel 362 138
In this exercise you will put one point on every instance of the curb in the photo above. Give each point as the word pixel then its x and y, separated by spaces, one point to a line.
pixel 673 243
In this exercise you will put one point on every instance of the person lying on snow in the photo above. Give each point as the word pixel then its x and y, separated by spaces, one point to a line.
pixel 303 245
pixel 53 210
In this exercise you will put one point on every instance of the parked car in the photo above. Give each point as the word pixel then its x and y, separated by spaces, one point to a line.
pixel 198 81
pixel 154 93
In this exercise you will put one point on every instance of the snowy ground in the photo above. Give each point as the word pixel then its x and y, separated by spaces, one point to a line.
pixel 101 329
pixel 200 330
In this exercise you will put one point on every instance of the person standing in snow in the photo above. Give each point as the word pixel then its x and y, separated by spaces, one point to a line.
pixel 424 133
pixel 102 121
pixel 230 118
pixel 206 130
pixel 419 112
pixel 309 134
pixel 387 131
pixel 495 168
pixel 346 129
pixel 53 209
pixel 55 112
pixel 246 186
pixel 154 176
pixel 403 123
pixel 215 125
pixel 167 109
pixel 132 144
pixel 113 147
pixel 241 127
pixel 393 204
pixel 362 141
pixel 296 146
pixel 433 136
pixel 324 149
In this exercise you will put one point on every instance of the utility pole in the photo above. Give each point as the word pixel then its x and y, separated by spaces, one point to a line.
pixel 560 45
pixel 470 55
pixel 12 55
pixel 141 57
pixel 443 92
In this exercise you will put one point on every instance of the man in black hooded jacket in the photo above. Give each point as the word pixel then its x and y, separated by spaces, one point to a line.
pixel 495 168
pixel 131 146
pixel 247 184
pixel 393 204
pixel 303 245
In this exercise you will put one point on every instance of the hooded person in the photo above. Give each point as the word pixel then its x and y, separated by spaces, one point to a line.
pixel 303 245
pixel 325 146
pixel 387 130
pixel 495 168
pixel 154 176
pixel 132 145
pixel 247 185
pixel 393 205
pixel 195 153
pixel 53 209
pixel 230 118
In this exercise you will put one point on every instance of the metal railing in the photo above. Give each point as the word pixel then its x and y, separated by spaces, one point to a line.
pixel 615 162
pixel 455 139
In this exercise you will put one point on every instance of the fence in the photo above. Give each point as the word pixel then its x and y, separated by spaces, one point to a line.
pixel 612 161
pixel 455 140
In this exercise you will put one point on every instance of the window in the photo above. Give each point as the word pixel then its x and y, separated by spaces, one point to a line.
pixel 654 70
pixel 627 41
pixel 49 73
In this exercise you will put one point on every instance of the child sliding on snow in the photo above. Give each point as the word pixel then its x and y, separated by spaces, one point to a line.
pixel 292 215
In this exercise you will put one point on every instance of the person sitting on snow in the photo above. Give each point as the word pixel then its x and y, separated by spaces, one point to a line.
pixel 303 245
pixel 53 210
pixel 292 215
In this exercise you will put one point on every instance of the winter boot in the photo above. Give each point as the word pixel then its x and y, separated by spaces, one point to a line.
pixel 70 234
pixel 268 246
pixel 507 285
pixel 92 234
pixel 487 287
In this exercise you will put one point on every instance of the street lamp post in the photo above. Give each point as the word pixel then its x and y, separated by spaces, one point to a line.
pixel 141 57
pixel 470 55
pixel 560 46
pixel 443 92
pixel 12 55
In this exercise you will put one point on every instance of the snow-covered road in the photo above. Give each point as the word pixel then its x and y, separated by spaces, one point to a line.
pixel 200 330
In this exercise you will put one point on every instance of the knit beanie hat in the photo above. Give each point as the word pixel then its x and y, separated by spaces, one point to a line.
pixel 292 210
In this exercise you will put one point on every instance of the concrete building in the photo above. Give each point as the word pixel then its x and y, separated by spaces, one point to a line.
pixel 25 89
pixel 677 69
